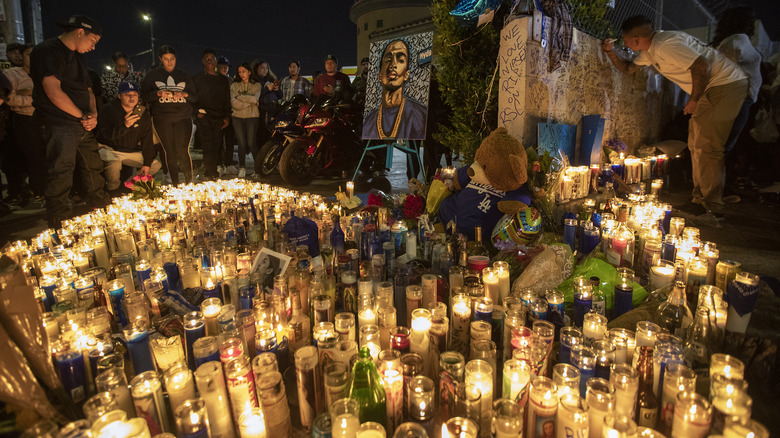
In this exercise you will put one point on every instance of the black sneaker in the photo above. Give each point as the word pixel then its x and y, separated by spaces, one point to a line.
pixel 693 208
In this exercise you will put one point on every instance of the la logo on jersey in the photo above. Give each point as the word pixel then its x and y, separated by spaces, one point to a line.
pixel 173 87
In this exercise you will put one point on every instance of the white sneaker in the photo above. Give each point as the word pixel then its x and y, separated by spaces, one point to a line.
pixel 242 172
pixel 221 170
pixel 231 170
pixel 166 179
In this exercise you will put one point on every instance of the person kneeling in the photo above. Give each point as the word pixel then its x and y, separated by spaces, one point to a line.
pixel 125 128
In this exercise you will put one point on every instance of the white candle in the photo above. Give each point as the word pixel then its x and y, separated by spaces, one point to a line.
pixel 661 276
pixel 350 189
pixel 625 379
pixel 542 407
pixel 502 271
pixel 428 290
pixel 211 387
pixel 180 385
pixel 490 280
pixel 366 317
pixel 393 382
pixel 344 425
pixel 594 327
pixel 480 374
pixel 572 418
pixel 600 397
pixel 420 341
pixel 461 318
pixel 411 244
pixel 251 424
pixel 692 416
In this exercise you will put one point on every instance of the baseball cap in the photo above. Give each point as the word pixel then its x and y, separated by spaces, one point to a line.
pixel 82 22
pixel 14 46
pixel 364 60
pixel 332 58
pixel 223 60
pixel 126 87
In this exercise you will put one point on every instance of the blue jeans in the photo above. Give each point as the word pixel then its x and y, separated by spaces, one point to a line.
pixel 246 136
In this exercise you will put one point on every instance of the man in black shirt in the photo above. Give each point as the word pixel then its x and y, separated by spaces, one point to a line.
pixel 212 110
pixel 126 129
pixel 66 111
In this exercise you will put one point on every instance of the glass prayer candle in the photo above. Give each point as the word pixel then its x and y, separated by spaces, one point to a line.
pixel 542 408
pixel 245 323
pixel 428 284
pixel 99 405
pixel 345 326
pixel 251 424
pixel 605 357
pixel 386 320
pixel 677 378
pixel 412 366
pixel 624 292
pixel 507 419
pixel 620 339
pixel 322 307
pixel 600 397
pixel 572 419
pixel 585 360
pixel 728 366
pixel 516 378
pixel 167 351
pixel 583 299
pixel 308 378
pixel 692 416
pixel 366 310
pixel 191 419
pixel 461 317
pixel 273 396
pixel 241 386
pixel 413 300
pixel 750 429
pixel 569 338
pixel 731 384
pixel 147 393
pixel 399 339
pixel 452 367
pixel 264 363
pixel 106 425
pixel 459 427
pixel 421 405
pixel 114 381
pixel 555 301
pixel 490 282
pixel 137 335
pixel 179 384
pixel 567 378
pixel 501 270
pixel 344 416
pixel 210 381
pixel 369 337
pixel 480 330
pixel 594 327
pixel 371 429
pixel 661 274
pixel 211 308
pixel 232 348
pixel 730 406
pixel 419 338
pixel 480 374
pixel 619 426
pixel 205 350
pixel 646 332
pixel 116 292
pixel 483 309
pixel 513 319
pixel 744 285
pixel 336 378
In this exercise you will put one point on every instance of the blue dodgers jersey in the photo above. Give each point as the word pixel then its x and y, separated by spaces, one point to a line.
pixel 477 205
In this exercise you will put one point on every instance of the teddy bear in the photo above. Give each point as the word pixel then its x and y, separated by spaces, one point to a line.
pixel 494 185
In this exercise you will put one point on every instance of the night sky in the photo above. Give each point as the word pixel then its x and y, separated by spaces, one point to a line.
pixel 242 30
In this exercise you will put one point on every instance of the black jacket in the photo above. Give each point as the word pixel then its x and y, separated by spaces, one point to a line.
pixel 112 132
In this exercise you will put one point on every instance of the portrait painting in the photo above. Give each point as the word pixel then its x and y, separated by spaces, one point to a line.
pixel 397 88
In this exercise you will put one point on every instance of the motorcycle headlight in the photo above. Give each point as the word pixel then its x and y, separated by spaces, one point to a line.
pixel 282 124
pixel 318 123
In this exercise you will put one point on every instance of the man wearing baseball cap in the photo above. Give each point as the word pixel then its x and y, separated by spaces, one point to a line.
pixel 327 83
pixel 126 130
pixel 65 109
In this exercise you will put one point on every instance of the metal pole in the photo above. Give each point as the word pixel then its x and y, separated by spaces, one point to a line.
pixel 151 31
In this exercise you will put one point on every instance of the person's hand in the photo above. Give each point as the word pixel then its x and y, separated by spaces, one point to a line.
pixel 24 92
pixel 270 86
pixel 165 94
pixel 608 44
pixel 130 119
pixel 690 107
pixel 225 122
pixel 328 88
pixel 180 95
pixel 90 122
pixel 201 115
pixel 145 170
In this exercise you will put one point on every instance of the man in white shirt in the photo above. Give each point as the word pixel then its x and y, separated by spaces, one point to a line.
pixel 717 89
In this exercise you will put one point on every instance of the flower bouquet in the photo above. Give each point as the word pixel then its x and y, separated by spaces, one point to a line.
pixel 144 187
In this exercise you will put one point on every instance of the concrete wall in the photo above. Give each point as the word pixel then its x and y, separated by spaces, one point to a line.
pixel 635 107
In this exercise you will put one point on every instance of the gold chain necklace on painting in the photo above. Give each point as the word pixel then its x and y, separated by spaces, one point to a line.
pixel 397 123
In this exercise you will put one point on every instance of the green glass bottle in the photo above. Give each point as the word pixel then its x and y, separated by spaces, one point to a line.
pixel 366 387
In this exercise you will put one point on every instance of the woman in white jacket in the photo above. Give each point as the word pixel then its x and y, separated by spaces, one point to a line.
pixel 244 95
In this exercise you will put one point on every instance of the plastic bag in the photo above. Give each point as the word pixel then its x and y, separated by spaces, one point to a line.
pixel 765 129
pixel 547 270
pixel 302 231
pixel 437 193
pixel 607 274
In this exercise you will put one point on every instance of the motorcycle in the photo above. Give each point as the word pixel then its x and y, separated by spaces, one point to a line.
pixel 331 144
pixel 284 126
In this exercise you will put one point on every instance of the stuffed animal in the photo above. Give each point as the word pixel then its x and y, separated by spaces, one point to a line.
pixel 491 187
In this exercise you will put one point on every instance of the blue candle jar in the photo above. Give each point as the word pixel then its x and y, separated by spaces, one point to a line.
pixel 72 371
pixel 172 271
pixel 605 357
pixel 143 270
pixel 116 292
pixel 483 310
pixel 137 336
pixel 590 238
pixel 569 338
pixel 205 349
pixel 194 329
pixel 584 359
pixel 555 303
pixel 570 233
pixel 583 302
pixel 624 292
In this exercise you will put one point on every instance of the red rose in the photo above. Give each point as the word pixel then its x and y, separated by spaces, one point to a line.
pixel 129 185
pixel 374 199
pixel 137 178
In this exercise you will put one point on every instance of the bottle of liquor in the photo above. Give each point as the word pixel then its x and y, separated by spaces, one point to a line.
pixel 700 337
pixel 673 315
pixel 337 236
pixel 475 247
pixel 620 248
pixel 607 197
pixel 599 301
pixel 646 402
pixel 300 326
pixel 366 387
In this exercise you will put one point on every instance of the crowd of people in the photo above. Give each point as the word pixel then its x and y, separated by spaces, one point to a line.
pixel 69 133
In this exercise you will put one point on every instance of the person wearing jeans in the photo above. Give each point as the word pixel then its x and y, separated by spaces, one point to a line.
pixel 66 113
pixel 244 95
pixel 213 111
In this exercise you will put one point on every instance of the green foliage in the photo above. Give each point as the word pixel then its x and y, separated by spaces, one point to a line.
pixel 589 17
pixel 466 67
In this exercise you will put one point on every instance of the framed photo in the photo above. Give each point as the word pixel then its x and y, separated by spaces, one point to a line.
pixel 269 264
